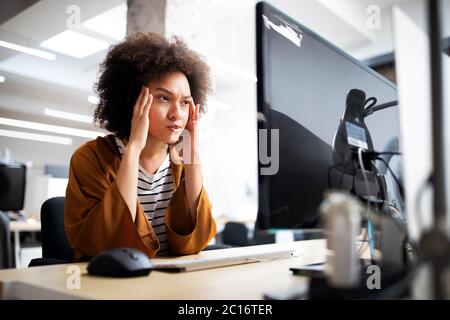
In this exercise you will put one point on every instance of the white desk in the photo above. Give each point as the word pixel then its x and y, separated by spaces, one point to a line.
pixel 248 281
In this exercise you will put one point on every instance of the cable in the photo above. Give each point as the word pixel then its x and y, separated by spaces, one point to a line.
pixel 371 99
pixel 391 209
pixel 384 106
pixel 369 110
pixel 374 154
pixel 363 170
pixel 393 176
pixel 369 220
pixel 390 152
pixel 374 108
pixel 364 234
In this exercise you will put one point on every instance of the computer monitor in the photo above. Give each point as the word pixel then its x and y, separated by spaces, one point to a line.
pixel 303 82
pixel 12 186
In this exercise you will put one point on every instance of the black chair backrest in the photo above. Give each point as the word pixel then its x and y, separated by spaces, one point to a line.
pixel 54 241
pixel 5 242
pixel 236 234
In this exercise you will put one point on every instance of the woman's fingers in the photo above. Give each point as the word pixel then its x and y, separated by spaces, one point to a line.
pixel 191 109
pixel 194 111
pixel 197 112
pixel 140 121
pixel 138 101
pixel 148 105
pixel 144 101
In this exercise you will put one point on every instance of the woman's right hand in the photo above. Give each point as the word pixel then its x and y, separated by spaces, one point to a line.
pixel 140 122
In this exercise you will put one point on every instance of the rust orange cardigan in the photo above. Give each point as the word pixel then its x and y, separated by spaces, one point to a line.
pixel 96 217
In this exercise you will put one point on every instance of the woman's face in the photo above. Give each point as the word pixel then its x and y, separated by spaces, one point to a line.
pixel 169 112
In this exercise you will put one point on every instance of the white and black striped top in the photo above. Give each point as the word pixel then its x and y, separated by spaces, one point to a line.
pixel 155 192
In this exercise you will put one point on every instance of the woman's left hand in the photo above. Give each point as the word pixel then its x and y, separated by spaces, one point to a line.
pixel 194 116
pixel 192 128
pixel 193 172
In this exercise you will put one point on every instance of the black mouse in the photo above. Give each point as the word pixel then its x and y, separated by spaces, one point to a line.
pixel 120 263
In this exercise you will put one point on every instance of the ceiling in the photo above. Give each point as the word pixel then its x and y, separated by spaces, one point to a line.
pixel 33 84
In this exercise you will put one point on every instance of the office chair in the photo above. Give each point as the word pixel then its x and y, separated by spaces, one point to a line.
pixel 55 246
pixel 54 241
pixel 5 242
pixel 236 234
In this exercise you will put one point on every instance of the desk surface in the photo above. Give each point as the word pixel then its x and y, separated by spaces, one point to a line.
pixel 31 225
pixel 248 281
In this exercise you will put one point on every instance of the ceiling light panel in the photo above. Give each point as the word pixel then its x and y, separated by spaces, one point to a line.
pixel 27 50
pixel 35 137
pixel 111 23
pixel 74 44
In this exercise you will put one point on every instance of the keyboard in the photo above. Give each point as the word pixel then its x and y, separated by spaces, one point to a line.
pixel 229 257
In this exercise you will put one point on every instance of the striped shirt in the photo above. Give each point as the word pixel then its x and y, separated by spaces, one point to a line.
pixel 154 193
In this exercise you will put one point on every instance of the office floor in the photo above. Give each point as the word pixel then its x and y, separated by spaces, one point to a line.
pixel 28 254
pixel 29 249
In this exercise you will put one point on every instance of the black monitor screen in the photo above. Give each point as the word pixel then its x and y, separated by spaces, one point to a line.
pixel 303 82
pixel 12 186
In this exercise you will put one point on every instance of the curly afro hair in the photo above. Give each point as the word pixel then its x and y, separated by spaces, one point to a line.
pixel 136 61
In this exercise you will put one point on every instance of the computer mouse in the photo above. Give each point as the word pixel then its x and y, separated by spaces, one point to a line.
pixel 120 263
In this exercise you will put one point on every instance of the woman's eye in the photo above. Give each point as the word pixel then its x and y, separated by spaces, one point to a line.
pixel 164 99
pixel 187 102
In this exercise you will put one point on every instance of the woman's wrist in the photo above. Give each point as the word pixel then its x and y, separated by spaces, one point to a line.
pixel 194 152
pixel 132 150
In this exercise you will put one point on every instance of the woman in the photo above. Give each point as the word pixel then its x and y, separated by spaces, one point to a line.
pixel 131 188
